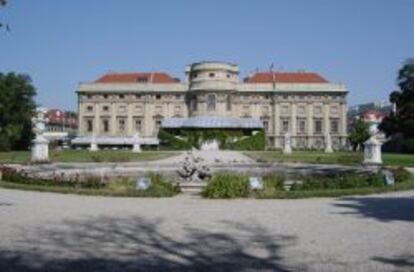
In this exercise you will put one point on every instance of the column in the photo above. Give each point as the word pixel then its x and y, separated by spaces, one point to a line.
pixel 129 123
pixel 277 125
pixel 344 123
pixel 309 123
pixel 113 119
pixel 96 124
pixel 326 124
pixel 293 124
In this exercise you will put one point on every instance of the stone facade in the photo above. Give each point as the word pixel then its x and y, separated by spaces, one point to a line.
pixel 304 105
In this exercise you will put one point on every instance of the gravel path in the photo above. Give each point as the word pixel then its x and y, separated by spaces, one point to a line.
pixel 54 232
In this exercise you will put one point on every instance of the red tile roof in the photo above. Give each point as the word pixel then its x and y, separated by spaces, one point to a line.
pixel 56 116
pixel 282 77
pixel 157 77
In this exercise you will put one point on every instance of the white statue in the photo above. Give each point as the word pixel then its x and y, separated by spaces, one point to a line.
pixel 328 143
pixel 136 144
pixel 40 147
pixel 372 147
pixel 210 145
pixel 94 145
pixel 287 148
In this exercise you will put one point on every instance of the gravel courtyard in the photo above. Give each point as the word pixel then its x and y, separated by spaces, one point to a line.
pixel 54 232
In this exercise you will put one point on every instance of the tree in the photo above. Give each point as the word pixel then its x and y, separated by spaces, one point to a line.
pixel 16 110
pixel 2 4
pixel 402 121
pixel 359 134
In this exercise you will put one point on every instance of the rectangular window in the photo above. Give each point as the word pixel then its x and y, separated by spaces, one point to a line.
pixel 105 108
pixel 301 125
pixel 266 125
pixel 138 125
pixel 89 108
pixel 211 102
pixel 194 103
pixel 105 125
pixel 228 104
pixel 334 126
pixel 284 125
pixel 121 125
pixel 177 110
pixel 158 97
pixel 318 126
pixel 89 125
pixel 157 125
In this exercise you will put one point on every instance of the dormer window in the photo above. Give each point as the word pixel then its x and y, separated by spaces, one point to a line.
pixel 142 79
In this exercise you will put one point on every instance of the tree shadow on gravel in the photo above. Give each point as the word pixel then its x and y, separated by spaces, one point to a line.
pixel 404 261
pixel 137 244
pixel 384 209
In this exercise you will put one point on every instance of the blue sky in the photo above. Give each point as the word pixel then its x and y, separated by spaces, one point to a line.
pixel 60 43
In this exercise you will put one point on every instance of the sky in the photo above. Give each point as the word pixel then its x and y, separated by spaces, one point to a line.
pixel 361 44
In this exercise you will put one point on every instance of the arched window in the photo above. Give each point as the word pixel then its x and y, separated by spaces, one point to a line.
pixel 211 102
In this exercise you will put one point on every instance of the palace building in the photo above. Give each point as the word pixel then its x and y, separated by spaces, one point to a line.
pixel 116 106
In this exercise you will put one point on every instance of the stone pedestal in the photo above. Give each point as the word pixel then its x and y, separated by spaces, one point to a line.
pixel 136 148
pixel 136 143
pixel 287 146
pixel 40 149
pixel 94 145
pixel 328 143
pixel 372 151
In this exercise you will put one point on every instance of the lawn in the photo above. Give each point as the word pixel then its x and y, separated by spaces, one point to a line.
pixel 87 156
pixel 348 158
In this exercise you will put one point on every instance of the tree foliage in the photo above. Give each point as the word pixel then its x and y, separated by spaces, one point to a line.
pixel 16 110
pixel 402 121
pixel 359 134
pixel 2 4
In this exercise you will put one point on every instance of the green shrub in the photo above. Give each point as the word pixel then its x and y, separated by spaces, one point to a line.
pixel 272 184
pixel 160 187
pixel 225 185
pixel 338 182
pixel 255 142
pixel 90 184
pixel 169 141
pixel 400 174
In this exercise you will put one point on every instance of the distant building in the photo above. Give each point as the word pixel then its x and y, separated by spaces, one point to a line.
pixel 61 124
pixel 372 113
pixel 307 106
